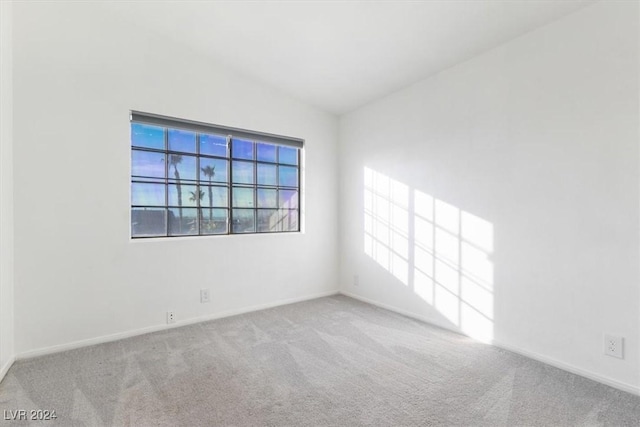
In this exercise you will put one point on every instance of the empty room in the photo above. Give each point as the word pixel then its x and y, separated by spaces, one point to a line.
pixel 310 213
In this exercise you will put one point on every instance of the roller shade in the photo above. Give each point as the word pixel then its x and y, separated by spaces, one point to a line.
pixel 174 123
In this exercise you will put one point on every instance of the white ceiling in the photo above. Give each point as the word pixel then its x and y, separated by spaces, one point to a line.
pixel 339 55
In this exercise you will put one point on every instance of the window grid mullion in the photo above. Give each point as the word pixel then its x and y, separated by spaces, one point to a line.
pixel 254 148
pixel 198 179
pixel 165 134
pixel 299 185
pixel 230 191
pixel 278 189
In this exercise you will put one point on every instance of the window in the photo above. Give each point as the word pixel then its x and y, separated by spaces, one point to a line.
pixel 191 178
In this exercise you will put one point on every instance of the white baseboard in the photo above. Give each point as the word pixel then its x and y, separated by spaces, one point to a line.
pixel 135 332
pixel 570 368
pixel 127 334
pixel 4 369
pixel 531 355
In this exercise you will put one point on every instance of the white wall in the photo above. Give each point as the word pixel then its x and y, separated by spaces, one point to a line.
pixel 6 188
pixel 539 139
pixel 78 276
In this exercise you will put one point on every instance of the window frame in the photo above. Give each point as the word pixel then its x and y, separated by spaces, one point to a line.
pixel 167 124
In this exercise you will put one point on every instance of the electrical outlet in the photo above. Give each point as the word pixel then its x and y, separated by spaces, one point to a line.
pixel 613 346
pixel 171 317
pixel 205 296
pixel 356 280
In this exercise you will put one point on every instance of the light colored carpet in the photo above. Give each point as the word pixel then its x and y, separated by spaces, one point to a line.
pixel 330 361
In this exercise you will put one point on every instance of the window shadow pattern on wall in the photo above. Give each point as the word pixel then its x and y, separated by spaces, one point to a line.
pixel 438 251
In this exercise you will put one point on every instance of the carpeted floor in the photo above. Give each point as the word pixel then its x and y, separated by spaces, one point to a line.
pixel 330 361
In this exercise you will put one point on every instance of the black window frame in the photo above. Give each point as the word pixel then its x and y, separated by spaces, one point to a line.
pixel 201 185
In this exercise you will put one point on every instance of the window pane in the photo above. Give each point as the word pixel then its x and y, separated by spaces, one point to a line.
pixel 213 221
pixel 266 174
pixel 266 152
pixel 147 164
pixel 242 173
pixel 268 220
pixel 213 170
pixel 147 194
pixel 182 140
pixel 289 220
pixel 213 145
pixel 183 221
pixel 182 167
pixel 267 198
pixel 288 199
pixel 288 176
pixel 183 184
pixel 242 149
pixel 216 197
pixel 148 222
pixel 288 155
pixel 183 195
pixel 242 197
pixel 243 221
pixel 147 136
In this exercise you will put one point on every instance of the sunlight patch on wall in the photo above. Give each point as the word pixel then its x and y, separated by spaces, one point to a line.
pixel 386 223
pixel 437 250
